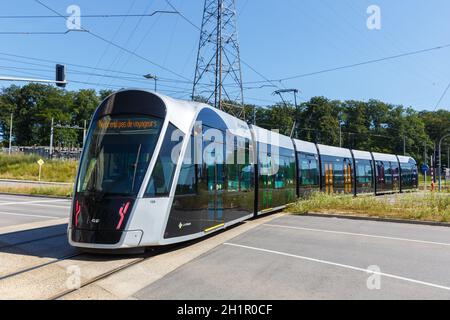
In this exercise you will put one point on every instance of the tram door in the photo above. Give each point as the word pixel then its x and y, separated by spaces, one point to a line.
pixel 215 174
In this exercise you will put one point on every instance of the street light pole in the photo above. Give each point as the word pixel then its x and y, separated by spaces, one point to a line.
pixel 51 139
pixel 440 160
pixel 152 77
pixel 10 134
pixel 404 145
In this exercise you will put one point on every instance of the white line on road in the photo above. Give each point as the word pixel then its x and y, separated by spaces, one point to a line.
pixel 341 265
pixel 51 205
pixel 358 234
pixel 31 202
pixel 28 215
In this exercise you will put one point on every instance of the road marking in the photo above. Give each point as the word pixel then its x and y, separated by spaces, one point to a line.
pixel 358 234
pixel 31 202
pixel 28 215
pixel 429 284
pixel 51 205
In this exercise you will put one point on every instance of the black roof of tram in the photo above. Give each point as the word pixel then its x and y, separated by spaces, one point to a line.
pixel 132 102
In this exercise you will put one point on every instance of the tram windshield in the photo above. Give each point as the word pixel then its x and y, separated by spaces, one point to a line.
pixel 117 154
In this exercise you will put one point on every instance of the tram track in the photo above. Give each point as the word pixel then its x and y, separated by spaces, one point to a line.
pixel 17 273
pixel 146 256
pixel 102 276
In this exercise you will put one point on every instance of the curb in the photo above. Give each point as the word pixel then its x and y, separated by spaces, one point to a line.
pixel 352 217
pixel 12 181
pixel 35 195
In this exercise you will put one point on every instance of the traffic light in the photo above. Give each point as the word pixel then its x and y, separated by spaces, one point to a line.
pixel 437 156
pixel 60 75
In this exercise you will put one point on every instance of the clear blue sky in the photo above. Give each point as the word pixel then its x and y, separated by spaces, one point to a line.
pixel 278 38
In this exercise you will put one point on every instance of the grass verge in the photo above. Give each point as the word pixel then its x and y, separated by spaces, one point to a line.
pixel 424 207
pixel 62 191
pixel 25 167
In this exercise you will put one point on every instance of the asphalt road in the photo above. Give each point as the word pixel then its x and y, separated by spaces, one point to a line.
pixel 292 257
pixel 297 257
pixel 16 210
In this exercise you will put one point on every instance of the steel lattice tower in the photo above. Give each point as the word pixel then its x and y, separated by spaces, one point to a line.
pixel 218 74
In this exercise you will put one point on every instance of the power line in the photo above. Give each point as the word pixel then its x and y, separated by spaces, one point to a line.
pixel 38 32
pixel 119 54
pixel 91 15
pixel 183 16
pixel 52 62
pixel 411 53
pixel 105 51
pixel 442 97
pixel 115 44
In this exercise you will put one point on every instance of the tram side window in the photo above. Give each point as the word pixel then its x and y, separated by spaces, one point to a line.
pixel 380 172
pixel 246 170
pixel 164 170
pixel 309 170
pixel 387 172
pixel 289 169
pixel 232 168
pixel 187 182
pixel 280 174
pixel 337 174
pixel 406 174
pixel 363 175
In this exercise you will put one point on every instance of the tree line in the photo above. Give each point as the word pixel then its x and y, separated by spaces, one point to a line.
pixel 373 125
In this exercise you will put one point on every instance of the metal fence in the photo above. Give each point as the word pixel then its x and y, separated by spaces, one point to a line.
pixel 44 152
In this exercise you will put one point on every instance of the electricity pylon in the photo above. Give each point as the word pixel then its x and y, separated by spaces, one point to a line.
pixel 218 74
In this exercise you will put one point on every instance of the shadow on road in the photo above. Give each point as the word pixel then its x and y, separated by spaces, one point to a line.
pixel 51 242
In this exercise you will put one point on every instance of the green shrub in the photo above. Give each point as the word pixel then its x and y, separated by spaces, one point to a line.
pixel 417 206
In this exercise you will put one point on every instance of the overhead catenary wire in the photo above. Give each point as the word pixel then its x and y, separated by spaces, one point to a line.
pixel 108 45
pixel 131 36
pixel 115 44
pixel 163 79
pixel 104 15
pixel 442 97
pixel 358 64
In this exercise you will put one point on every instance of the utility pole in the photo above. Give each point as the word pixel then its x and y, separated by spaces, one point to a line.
pixel 218 57
pixel 84 132
pixel 51 139
pixel 10 134
pixel 440 160
pixel 404 145
pixel 426 163
pixel 448 157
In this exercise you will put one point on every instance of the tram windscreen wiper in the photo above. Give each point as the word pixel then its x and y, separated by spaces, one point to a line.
pixel 135 167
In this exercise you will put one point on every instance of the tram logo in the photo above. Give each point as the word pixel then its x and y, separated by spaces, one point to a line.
pixel 183 225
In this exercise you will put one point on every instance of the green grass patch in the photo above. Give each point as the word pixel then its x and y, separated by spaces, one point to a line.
pixel 414 206
pixel 44 191
pixel 25 167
